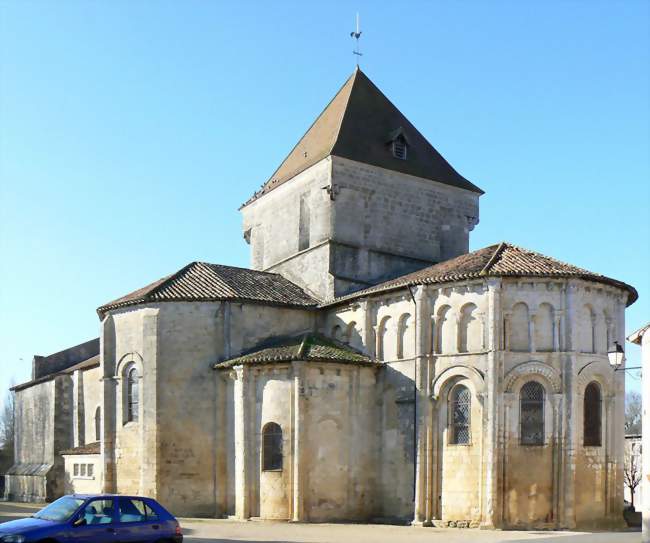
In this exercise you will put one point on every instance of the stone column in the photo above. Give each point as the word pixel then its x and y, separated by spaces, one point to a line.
pixel 557 321
pixel 150 445
pixel 78 412
pixel 242 443
pixel 421 404
pixel 557 501
pixel 531 331
pixel 299 470
pixel 493 450
pixel 569 422
pixel 507 317
pixel 108 404
pixel 366 338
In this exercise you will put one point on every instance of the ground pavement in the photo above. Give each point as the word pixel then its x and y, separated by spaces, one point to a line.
pixel 228 531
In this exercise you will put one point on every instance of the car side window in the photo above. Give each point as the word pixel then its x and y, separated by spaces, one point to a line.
pixel 98 512
pixel 151 514
pixel 132 510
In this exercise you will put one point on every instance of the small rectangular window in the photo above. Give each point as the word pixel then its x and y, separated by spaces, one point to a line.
pixel 90 470
pixel 75 470
pixel 82 470
pixel 399 149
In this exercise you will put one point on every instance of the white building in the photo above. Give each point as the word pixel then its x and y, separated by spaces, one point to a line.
pixel 642 337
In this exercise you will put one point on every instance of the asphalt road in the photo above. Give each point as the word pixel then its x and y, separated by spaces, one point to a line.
pixel 227 531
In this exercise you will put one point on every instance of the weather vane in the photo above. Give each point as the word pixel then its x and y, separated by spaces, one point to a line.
pixel 356 35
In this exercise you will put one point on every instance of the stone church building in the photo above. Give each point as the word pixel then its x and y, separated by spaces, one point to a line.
pixel 367 367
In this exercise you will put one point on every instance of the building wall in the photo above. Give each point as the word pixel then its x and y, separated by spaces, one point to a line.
pixel 174 451
pixel 385 223
pixel 375 223
pixel 43 425
pixel 494 336
pixel 326 413
pixel 83 484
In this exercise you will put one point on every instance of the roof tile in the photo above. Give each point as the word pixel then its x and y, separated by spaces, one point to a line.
pixel 500 260
pixel 308 347
pixel 200 281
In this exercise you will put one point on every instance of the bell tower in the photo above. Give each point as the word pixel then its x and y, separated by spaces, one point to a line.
pixel 363 197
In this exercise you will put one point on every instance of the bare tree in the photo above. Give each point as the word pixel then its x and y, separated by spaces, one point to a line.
pixel 7 422
pixel 632 467
pixel 633 412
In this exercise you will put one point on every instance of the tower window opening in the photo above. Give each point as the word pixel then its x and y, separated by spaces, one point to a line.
pixel 399 148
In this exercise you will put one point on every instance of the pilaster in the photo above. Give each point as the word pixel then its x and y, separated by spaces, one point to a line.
pixel 422 421
pixel 299 468
pixel 493 450
pixel 242 443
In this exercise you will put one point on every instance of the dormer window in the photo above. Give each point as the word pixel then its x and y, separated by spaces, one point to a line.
pixel 399 148
pixel 399 143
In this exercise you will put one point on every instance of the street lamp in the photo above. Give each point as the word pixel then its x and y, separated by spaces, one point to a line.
pixel 616 356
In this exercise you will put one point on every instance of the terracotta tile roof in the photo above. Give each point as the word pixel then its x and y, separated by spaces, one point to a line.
pixel 88 448
pixel 637 336
pixel 500 260
pixel 200 281
pixel 308 347
pixel 358 124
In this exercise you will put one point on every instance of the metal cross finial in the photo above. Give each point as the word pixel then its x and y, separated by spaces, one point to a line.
pixel 356 35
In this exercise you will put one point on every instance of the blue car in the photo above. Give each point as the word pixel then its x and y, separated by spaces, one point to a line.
pixel 96 519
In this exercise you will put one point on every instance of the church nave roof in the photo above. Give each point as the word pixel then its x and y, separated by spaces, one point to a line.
pixel 202 282
pixel 499 260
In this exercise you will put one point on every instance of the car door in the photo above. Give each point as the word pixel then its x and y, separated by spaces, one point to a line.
pixel 133 525
pixel 95 522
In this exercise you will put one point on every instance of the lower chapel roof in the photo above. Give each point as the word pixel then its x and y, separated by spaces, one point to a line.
pixel 308 348
pixel 199 281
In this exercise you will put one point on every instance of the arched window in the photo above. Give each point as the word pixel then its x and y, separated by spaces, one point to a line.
pixel 383 347
pixel 404 347
pixel 544 327
pixel 132 395
pixel 272 447
pixel 445 338
pixel 336 332
pixel 592 416
pixel 531 413
pixel 98 424
pixel 519 328
pixel 470 332
pixel 460 405
pixel 350 333
pixel 587 328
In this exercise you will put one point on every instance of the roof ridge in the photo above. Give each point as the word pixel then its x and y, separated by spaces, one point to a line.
pixel 493 258
pixel 167 281
pixel 562 262
pixel 320 115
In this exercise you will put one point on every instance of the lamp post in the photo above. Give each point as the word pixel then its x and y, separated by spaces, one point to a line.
pixel 617 357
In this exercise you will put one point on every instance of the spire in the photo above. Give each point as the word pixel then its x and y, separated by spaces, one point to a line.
pixel 358 124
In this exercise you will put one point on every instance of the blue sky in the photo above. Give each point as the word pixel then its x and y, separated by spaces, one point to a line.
pixel 130 133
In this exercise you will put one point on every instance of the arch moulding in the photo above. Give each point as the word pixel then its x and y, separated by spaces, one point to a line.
pixel 474 375
pixel 533 368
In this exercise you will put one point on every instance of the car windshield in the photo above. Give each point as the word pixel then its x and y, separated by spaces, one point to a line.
pixel 60 510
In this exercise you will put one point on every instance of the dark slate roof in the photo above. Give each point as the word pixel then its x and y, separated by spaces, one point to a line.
pixel 307 347
pixel 500 260
pixel 87 364
pixel 29 469
pixel 53 363
pixel 202 282
pixel 89 448
pixel 359 124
